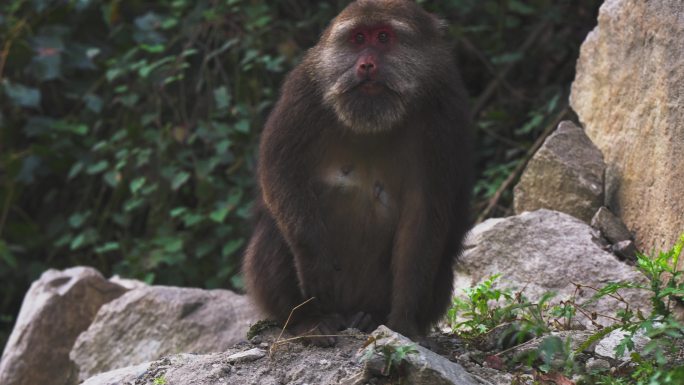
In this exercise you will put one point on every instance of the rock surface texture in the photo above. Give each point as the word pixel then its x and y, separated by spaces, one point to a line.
pixel 544 251
pixel 292 363
pixel 566 175
pixel 150 322
pixel 629 95
pixel 56 309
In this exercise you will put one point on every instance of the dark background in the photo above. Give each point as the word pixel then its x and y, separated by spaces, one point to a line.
pixel 128 128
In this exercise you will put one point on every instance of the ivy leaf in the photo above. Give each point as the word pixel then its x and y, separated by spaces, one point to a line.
pixel 179 180
pixel 7 256
pixel 21 95
pixel 93 103
pixel 232 246
pixel 222 98
pixel 220 214
pixel 109 246
pixel 136 184
pixel 28 169
pixel 97 167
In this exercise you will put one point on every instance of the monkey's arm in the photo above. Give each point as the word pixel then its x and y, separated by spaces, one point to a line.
pixel 434 218
pixel 287 155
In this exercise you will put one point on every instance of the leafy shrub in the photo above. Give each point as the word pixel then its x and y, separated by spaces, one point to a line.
pixel 486 307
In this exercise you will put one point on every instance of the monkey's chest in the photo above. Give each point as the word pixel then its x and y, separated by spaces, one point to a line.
pixel 360 200
pixel 365 191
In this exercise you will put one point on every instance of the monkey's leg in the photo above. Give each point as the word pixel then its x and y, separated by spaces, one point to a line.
pixel 272 281
pixel 269 271
pixel 417 258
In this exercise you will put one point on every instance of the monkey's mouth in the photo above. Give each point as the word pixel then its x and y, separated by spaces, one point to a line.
pixel 371 87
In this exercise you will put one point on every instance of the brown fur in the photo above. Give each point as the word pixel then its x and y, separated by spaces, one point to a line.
pixel 365 214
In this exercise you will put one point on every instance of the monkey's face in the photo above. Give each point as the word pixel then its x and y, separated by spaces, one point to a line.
pixel 373 62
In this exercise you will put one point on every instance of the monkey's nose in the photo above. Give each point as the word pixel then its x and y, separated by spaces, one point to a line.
pixel 366 68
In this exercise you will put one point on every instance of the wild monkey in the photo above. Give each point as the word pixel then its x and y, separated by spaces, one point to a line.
pixel 365 177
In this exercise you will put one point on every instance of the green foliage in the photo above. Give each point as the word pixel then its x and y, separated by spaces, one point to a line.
pixel 486 307
pixel 392 356
pixel 127 134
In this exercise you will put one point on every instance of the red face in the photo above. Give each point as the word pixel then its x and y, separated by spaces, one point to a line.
pixel 372 43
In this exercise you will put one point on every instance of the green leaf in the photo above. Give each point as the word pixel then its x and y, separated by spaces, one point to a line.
pixel 152 48
pixel 93 103
pixel 231 247
pixel 173 245
pixel 222 98
pixel 146 70
pixel 75 128
pixel 133 204
pixel 520 7
pixel 191 219
pixel 112 178
pixel 78 241
pixel 21 95
pixel 76 169
pixel 97 167
pixel 220 213
pixel 242 126
pixel 6 255
pixel 129 100
pixel 179 180
pixel 178 211
pixel 107 247
pixel 136 184
pixel 76 220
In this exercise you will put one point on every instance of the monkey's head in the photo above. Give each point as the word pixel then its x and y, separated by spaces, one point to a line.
pixel 375 59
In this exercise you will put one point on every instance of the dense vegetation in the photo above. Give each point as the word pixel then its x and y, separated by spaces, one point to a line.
pixel 128 128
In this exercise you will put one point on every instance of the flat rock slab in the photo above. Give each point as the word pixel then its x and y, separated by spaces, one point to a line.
pixel 288 363
pixel 148 323
pixel 56 309
pixel 547 251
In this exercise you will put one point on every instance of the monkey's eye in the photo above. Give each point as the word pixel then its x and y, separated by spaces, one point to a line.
pixel 359 38
pixel 383 37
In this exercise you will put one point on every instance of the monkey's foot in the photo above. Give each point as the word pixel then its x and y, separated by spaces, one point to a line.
pixel 320 331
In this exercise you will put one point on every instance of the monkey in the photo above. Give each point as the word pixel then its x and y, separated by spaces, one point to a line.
pixel 364 176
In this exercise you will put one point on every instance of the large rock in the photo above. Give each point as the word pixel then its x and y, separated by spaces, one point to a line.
pixel 56 309
pixel 421 367
pixel 629 95
pixel 150 322
pixel 566 175
pixel 544 251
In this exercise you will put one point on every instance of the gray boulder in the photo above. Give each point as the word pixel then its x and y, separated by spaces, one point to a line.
pixel 566 175
pixel 56 309
pixel 544 251
pixel 150 322
pixel 423 367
